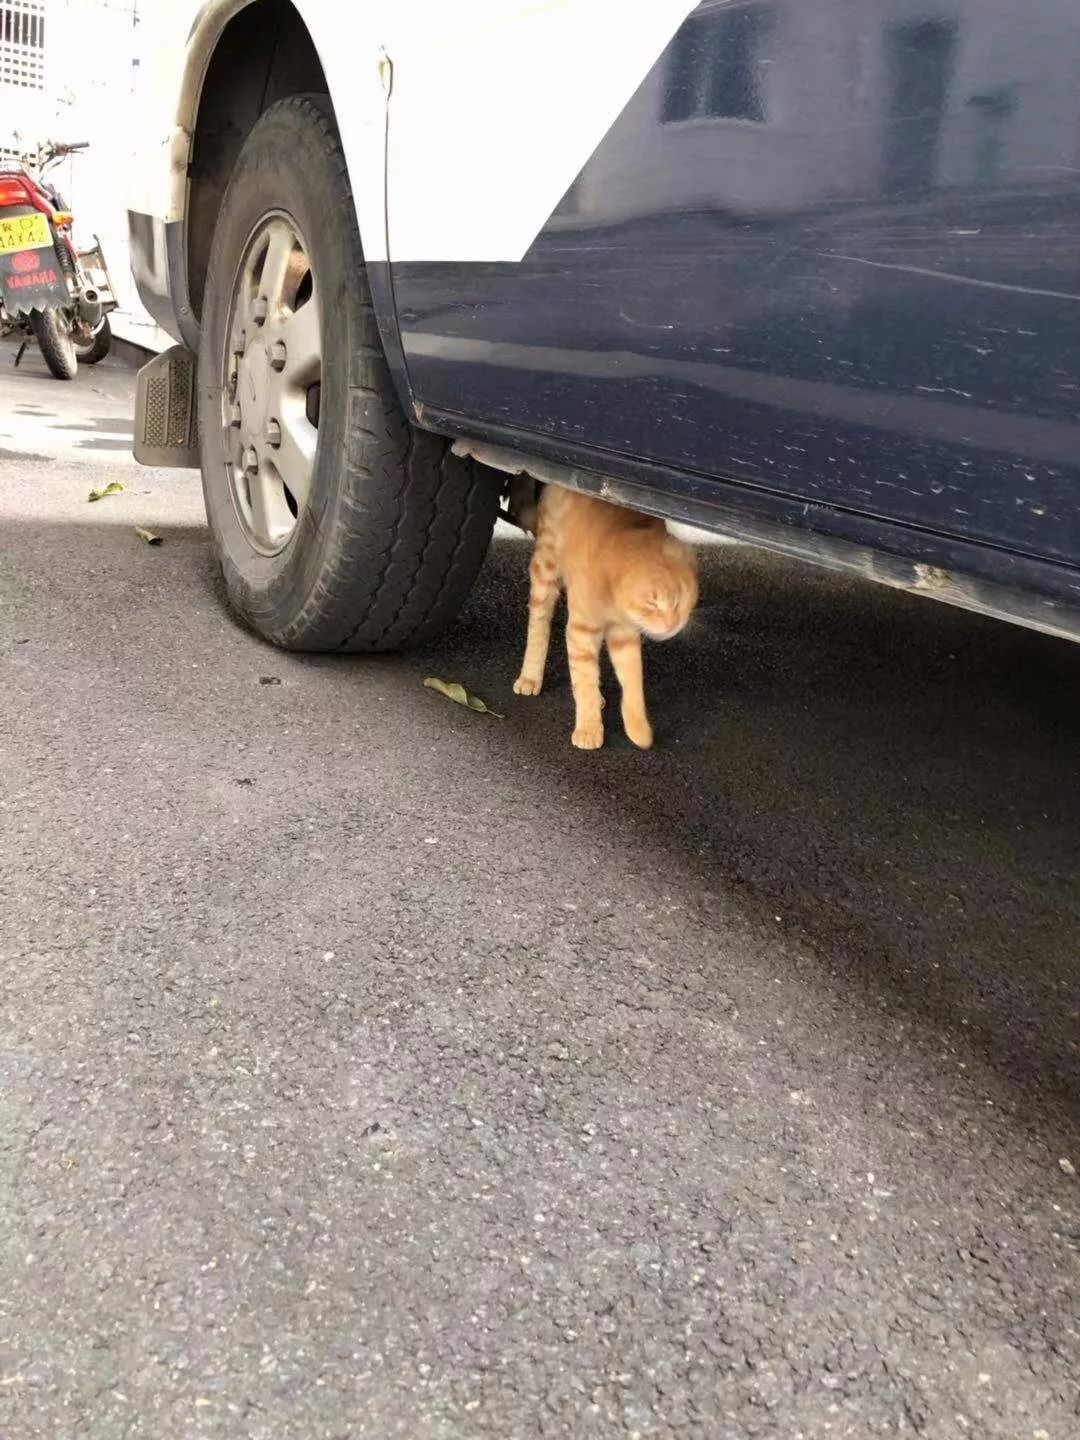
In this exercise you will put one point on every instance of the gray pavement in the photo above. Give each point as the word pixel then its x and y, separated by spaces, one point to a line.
pixel 370 1068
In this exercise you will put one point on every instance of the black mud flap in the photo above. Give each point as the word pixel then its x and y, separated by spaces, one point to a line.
pixel 32 280
pixel 166 411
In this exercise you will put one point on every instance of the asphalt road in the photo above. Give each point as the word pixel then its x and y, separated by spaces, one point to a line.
pixel 371 1068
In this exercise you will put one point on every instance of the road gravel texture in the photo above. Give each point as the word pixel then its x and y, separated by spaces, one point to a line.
pixel 371 1068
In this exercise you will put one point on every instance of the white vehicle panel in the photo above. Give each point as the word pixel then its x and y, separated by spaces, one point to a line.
pixel 495 105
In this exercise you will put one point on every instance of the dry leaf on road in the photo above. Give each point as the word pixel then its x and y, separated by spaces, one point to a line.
pixel 460 696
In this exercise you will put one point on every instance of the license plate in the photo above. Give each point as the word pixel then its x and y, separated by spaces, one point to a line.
pixel 23 232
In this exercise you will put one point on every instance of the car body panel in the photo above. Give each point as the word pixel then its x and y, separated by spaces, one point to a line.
pixel 873 305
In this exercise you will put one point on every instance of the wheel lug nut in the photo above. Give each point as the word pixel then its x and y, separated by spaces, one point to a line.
pixel 259 311
pixel 273 434
pixel 278 355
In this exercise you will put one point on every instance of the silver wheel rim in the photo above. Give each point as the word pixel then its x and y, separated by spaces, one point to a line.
pixel 272 383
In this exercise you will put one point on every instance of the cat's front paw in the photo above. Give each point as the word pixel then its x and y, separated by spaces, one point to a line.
pixel 638 731
pixel 588 737
pixel 528 684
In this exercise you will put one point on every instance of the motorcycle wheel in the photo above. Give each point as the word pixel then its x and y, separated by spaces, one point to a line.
pixel 55 342
pixel 99 346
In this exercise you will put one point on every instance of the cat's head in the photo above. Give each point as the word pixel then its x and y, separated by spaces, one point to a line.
pixel 658 594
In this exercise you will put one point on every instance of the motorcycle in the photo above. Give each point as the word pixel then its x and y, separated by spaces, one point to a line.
pixel 48 289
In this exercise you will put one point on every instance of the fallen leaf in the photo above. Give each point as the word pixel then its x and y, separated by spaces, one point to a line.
pixel 148 536
pixel 460 696
pixel 113 488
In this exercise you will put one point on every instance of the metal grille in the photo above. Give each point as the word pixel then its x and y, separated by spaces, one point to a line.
pixel 156 419
pixel 22 43
pixel 180 427
pixel 167 417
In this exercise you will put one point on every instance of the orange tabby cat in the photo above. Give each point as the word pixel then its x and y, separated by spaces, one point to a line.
pixel 625 577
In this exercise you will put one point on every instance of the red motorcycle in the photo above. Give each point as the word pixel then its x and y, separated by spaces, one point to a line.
pixel 48 288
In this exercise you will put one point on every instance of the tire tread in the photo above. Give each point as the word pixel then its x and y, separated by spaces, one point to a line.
pixel 57 349
pixel 409 535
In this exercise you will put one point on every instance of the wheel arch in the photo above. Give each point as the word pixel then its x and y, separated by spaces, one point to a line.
pixel 242 57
